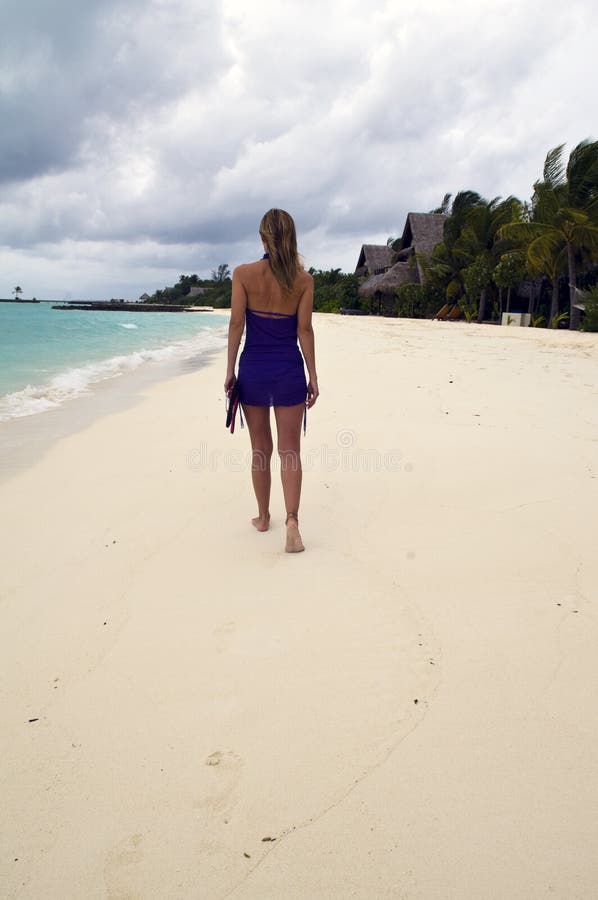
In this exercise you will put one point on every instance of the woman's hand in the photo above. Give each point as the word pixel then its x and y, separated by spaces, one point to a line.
pixel 229 383
pixel 312 392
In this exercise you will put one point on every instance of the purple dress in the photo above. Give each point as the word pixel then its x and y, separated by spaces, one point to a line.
pixel 271 371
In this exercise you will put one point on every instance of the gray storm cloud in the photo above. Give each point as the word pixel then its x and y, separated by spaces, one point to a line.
pixel 156 133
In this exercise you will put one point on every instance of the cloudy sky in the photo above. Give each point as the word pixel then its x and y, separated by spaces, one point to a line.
pixel 144 139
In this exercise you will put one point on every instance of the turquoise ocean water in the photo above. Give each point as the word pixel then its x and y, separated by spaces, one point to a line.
pixel 48 356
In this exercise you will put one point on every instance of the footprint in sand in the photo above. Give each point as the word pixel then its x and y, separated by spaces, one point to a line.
pixel 221 783
pixel 119 871
pixel 223 634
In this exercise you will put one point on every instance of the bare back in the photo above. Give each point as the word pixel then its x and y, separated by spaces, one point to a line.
pixel 263 292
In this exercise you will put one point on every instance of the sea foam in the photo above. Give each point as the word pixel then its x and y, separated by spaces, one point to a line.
pixel 74 382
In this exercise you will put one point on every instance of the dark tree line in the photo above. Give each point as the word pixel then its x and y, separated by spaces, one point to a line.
pixel 333 290
pixel 216 290
pixel 491 246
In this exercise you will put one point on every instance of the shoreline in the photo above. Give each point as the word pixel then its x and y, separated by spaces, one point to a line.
pixel 185 704
pixel 50 360
pixel 25 439
pixel 108 306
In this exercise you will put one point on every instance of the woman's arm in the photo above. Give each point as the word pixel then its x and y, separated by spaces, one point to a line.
pixel 305 333
pixel 235 327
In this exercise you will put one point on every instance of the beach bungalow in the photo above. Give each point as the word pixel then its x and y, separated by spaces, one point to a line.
pixel 421 233
pixel 374 259
pixel 145 297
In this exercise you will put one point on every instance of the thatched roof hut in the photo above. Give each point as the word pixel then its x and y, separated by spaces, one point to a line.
pixel 387 283
pixel 373 260
pixel 422 232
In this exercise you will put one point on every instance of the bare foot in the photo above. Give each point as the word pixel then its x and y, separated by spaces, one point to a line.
pixel 261 523
pixel 294 544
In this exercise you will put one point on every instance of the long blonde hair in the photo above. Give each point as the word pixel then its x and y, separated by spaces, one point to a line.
pixel 277 231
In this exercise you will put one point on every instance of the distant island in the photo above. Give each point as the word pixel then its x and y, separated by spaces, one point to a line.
pixel 191 290
pixel 120 305
pixel 190 294
pixel 17 291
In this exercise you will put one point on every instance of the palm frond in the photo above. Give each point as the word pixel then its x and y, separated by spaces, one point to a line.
pixel 546 202
pixel 548 253
pixel 592 209
pixel 464 201
pixel 582 173
pixel 508 210
pixel 445 207
pixel 571 215
pixel 554 170
pixel 522 233
pixel 585 237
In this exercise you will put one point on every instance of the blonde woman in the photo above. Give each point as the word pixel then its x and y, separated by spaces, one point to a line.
pixel 273 300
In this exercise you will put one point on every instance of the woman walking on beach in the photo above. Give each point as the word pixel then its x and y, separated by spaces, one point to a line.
pixel 273 299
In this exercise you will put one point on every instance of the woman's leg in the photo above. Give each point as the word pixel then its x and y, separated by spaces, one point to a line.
pixel 288 425
pixel 258 422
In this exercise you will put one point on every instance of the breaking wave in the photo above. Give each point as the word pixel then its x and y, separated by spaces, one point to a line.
pixel 74 382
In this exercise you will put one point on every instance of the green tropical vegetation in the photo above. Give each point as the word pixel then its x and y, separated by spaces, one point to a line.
pixel 335 290
pixel 562 232
pixel 590 320
pixel 509 272
pixel 216 291
pixel 551 243
pixel 221 274
pixel 418 301
pixel 544 250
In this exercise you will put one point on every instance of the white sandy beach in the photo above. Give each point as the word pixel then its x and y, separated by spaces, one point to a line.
pixel 407 710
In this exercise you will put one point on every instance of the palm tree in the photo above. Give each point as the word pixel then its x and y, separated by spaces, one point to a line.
pixel 465 261
pixel 445 272
pixel 509 273
pixel 221 274
pixel 547 258
pixel 444 269
pixel 460 209
pixel 564 225
pixel 479 245
pixel 17 292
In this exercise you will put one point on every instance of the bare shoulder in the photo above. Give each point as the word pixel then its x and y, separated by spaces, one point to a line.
pixel 305 280
pixel 246 271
